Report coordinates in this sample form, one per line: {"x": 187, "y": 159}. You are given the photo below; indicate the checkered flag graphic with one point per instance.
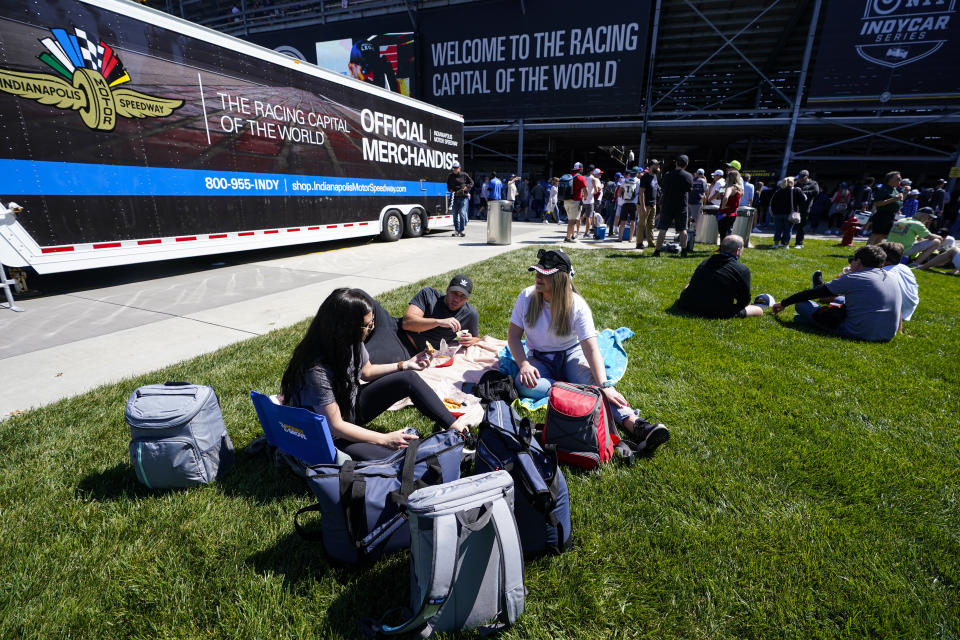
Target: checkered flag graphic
{"x": 92, "y": 52}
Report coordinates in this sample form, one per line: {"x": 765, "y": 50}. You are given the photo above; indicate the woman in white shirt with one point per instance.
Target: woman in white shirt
{"x": 562, "y": 345}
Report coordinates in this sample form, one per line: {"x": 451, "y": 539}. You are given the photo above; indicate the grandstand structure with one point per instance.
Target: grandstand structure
{"x": 724, "y": 79}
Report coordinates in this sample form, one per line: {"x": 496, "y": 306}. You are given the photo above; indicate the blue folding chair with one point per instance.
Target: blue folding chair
{"x": 298, "y": 432}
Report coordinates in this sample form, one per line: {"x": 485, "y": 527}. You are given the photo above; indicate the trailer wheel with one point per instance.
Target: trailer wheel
{"x": 415, "y": 224}
{"x": 392, "y": 226}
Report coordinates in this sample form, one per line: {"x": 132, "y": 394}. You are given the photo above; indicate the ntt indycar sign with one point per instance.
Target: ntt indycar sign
{"x": 894, "y": 33}
{"x": 887, "y": 51}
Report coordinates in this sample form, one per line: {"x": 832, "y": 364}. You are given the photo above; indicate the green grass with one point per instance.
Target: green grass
{"x": 811, "y": 488}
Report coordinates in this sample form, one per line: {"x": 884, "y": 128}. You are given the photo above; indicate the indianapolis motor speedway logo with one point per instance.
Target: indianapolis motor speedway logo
{"x": 894, "y": 33}
{"x": 87, "y": 72}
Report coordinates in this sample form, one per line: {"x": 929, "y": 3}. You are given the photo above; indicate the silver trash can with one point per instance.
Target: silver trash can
{"x": 707, "y": 231}
{"x": 743, "y": 224}
{"x": 499, "y": 222}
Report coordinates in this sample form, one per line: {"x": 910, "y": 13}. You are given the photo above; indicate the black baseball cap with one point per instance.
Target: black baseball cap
{"x": 461, "y": 283}
{"x": 683, "y": 160}
{"x": 550, "y": 261}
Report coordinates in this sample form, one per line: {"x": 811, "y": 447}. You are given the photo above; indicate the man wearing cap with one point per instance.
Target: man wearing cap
{"x": 459, "y": 184}
{"x": 589, "y": 204}
{"x": 715, "y": 192}
{"x": 810, "y": 189}
{"x": 914, "y": 234}
{"x": 677, "y": 184}
{"x": 647, "y": 205}
{"x": 433, "y": 316}
{"x": 629, "y": 194}
{"x": 572, "y": 204}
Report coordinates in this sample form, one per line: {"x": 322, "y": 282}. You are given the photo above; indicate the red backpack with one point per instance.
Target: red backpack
{"x": 580, "y": 425}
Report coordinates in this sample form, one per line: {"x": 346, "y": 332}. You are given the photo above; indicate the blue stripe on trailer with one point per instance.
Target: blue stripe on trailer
{"x": 41, "y": 178}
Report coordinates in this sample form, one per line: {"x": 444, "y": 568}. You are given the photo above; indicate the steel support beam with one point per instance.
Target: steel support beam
{"x": 854, "y": 158}
{"x": 649, "y": 93}
{"x": 520, "y": 147}
{"x": 801, "y": 85}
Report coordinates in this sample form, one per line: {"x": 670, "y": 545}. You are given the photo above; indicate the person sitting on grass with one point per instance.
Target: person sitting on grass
{"x": 867, "y": 300}
{"x": 562, "y": 344}
{"x": 915, "y": 236}
{"x": 326, "y": 369}
{"x": 720, "y": 286}
{"x": 434, "y": 316}
{"x": 947, "y": 258}
{"x": 909, "y": 289}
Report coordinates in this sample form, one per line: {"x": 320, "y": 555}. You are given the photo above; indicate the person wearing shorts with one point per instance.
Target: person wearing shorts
{"x": 888, "y": 202}
{"x": 676, "y": 186}
{"x": 628, "y": 210}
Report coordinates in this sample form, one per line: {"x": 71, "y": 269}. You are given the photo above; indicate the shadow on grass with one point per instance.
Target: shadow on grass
{"x": 373, "y": 592}
{"x": 805, "y": 327}
{"x": 296, "y": 559}
{"x": 116, "y": 483}
{"x": 251, "y": 476}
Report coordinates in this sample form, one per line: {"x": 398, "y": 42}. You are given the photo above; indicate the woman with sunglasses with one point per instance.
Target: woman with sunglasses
{"x": 327, "y": 367}
{"x": 562, "y": 345}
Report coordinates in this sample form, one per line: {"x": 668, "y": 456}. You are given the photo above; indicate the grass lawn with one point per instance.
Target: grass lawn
{"x": 810, "y": 490}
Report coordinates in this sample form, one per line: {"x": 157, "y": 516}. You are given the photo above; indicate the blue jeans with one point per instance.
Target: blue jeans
{"x": 781, "y": 229}
{"x": 460, "y": 213}
{"x": 563, "y": 366}
{"x": 806, "y": 309}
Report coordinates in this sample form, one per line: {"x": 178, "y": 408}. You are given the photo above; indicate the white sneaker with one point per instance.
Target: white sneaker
{"x": 799, "y": 246}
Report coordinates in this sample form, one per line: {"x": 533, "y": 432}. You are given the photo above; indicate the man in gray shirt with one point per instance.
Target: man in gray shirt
{"x": 870, "y": 299}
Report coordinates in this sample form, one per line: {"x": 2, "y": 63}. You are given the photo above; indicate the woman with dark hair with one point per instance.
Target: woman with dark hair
{"x": 563, "y": 347}
{"x": 331, "y": 361}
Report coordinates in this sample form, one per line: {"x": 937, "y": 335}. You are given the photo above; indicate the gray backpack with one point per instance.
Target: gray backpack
{"x": 466, "y": 564}
{"x": 177, "y": 435}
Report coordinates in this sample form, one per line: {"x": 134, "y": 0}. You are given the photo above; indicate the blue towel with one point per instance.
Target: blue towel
{"x": 611, "y": 348}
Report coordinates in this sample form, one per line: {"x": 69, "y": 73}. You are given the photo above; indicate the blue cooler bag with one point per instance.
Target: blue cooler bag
{"x": 177, "y": 435}
{"x": 542, "y": 502}
{"x": 363, "y": 504}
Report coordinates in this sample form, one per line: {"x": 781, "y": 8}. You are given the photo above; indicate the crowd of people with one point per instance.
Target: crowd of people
{"x": 643, "y": 204}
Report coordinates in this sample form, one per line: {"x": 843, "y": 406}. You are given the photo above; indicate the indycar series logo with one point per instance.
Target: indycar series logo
{"x": 894, "y": 33}
{"x": 87, "y": 78}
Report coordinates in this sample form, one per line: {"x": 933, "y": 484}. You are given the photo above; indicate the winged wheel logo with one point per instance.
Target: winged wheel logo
{"x": 87, "y": 79}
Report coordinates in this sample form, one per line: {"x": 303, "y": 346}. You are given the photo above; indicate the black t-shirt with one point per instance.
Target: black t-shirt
{"x": 719, "y": 288}
{"x": 650, "y": 185}
{"x": 676, "y": 185}
{"x": 431, "y": 301}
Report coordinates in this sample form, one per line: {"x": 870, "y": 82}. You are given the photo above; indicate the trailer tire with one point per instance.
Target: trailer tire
{"x": 416, "y": 223}
{"x": 392, "y": 226}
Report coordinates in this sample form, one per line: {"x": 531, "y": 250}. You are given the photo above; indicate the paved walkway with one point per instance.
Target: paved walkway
{"x": 96, "y": 327}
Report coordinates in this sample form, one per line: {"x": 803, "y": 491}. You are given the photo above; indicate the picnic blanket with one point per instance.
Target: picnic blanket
{"x": 468, "y": 365}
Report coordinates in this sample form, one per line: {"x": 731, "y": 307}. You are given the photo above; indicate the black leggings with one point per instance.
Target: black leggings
{"x": 376, "y": 397}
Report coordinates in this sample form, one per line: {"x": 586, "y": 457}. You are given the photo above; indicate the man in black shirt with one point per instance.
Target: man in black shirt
{"x": 676, "y": 185}
{"x": 720, "y": 287}
{"x": 433, "y": 316}
{"x": 647, "y": 205}
{"x": 459, "y": 184}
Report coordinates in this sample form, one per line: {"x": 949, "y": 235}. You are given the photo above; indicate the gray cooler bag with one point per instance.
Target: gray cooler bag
{"x": 466, "y": 564}
{"x": 177, "y": 435}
